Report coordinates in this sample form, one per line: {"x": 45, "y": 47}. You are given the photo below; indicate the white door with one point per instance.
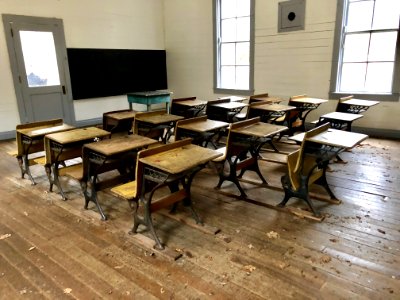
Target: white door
{"x": 39, "y": 64}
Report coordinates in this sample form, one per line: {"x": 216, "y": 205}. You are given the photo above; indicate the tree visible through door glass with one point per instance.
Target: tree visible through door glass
{"x": 40, "y": 58}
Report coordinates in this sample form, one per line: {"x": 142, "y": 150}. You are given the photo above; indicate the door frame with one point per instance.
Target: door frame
{"x": 7, "y": 20}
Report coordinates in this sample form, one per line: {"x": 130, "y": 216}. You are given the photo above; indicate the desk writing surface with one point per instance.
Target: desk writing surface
{"x": 191, "y": 103}
{"x": 123, "y": 115}
{"x": 334, "y": 138}
{"x": 260, "y": 129}
{"x": 76, "y": 135}
{"x": 274, "y": 107}
{"x": 180, "y": 159}
{"x": 342, "y": 116}
{"x": 158, "y": 119}
{"x": 309, "y": 100}
{"x": 120, "y": 144}
{"x": 230, "y": 105}
{"x": 204, "y": 125}
{"x": 360, "y": 102}
{"x": 43, "y": 130}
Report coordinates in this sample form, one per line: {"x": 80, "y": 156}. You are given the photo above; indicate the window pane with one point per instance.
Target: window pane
{"x": 386, "y": 14}
{"x": 360, "y": 16}
{"x": 242, "y": 78}
{"x": 353, "y": 77}
{"x": 228, "y": 54}
{"x": 243, "y": 29}
{"x": 243, "y": 53}
{"x": 228, "y": 30}
{"x": 379, "y": 77}
{"x": 228, "y": 77}
{"x": 40, "y": 58}
{"x": 356, "y": 47}
{"x": 243, "y": 8}
{"x": 228, "y": 8}
{"x": 383, "y": 46}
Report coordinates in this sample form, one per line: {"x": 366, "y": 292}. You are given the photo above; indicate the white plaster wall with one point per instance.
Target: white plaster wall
{"x": 286, "y": 64}
{"x": 118, "y": 24}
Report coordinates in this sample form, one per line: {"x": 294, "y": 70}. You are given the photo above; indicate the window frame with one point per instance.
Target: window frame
{"x": 216, "y": 51}
{"x": 341, "y": 14}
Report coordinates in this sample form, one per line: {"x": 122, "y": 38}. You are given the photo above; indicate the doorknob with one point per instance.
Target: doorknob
{"x": 64, "y": 90}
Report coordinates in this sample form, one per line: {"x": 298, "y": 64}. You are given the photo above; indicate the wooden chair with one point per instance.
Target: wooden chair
{"x": 305, "y": 167}
{"x": 179, "y": 110}
{"x": 236, "y": 154}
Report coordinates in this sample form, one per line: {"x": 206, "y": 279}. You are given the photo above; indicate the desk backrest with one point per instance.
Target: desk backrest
{"x": 301, "y": 165}
{"x": 305, "y": 142}
{"x": 253, "y": 98}
{"x": 232, "y": 147}
{"x": 186, "y": 121}
{"x": 52, "y": 122}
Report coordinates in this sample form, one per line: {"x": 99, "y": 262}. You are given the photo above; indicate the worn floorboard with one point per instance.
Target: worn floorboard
{"x": 54, "y": 249}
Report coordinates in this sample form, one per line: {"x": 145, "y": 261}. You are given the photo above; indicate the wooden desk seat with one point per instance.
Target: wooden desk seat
{"x": 236, "y": 154}
{"x": 155, "y": 170}
{"x": 73, "y": 171}
{"x": 304, "y": 169}
{"x": 130, "y": 191}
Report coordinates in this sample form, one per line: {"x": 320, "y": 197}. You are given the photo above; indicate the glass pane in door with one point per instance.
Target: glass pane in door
{"x": 40, "y": 58}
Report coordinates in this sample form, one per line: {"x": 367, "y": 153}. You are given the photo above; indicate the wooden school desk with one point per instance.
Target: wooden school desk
{"x": 30, "y": 140}
{"x": 245, "y": 140}
{"x": 355, "y": 106}
{"x": 121, "y": 120}
{"x": 339, "y": 120}
{"x": 224, "y": 110}
{"x": 200, "y": 129}
{"x": 269, "y": 112}
{"x": 107, "y": 155}
{"x": 62, "y": 146}
{"x": 304, "y": 105}
{"x": 171, "y": 165}
{"x": 309, "y": 164}
{"x": 155, "y": 124}
{"x": 195, "y": 106}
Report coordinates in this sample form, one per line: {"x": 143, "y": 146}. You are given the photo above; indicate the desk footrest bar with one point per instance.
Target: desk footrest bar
{"x": 169, "y": 200}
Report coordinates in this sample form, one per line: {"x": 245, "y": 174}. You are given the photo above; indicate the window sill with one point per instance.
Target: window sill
{"x": 377, "y": 97}
{"x": 234, "y": 92}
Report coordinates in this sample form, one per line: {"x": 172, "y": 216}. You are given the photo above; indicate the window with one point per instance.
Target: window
{"x": 234, "y": 46}
{"x": 366, "y": 46}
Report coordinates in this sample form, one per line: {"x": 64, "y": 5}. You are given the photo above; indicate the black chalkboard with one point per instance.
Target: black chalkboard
{"x": 110, "y": 72}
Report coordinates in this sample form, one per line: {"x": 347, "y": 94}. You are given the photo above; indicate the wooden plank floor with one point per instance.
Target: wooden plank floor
{"x": 54, "y": 249}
